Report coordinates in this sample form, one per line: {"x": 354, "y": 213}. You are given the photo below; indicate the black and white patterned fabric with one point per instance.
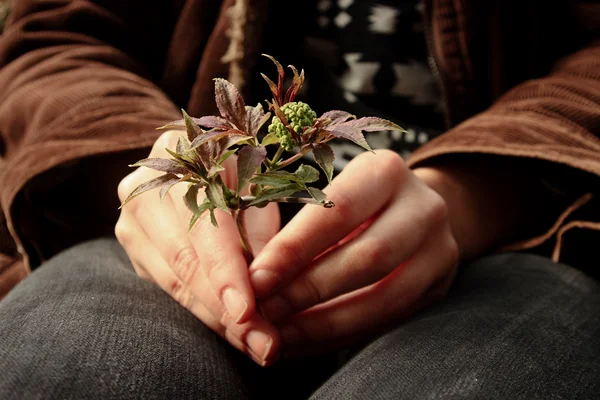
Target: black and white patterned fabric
{"x": 374, "y": 61}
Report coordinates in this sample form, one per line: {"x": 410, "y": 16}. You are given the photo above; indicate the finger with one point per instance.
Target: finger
{"x": 435, "y": 293}
{"x": 361, "y": 190}
{"x": 218, "y": 251}
{"x": 262, "y": 224}
{"x": 386, "y": 243}
{"x": 256, "y": 337}
{"x": 367, "y": 309}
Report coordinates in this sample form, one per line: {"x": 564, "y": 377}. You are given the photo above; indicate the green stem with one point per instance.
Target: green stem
{"x": 292, "y": 159}
{"x": 296, "y": 200}
{"x": 276, "y": 157}
{"x": 239, "y": 219}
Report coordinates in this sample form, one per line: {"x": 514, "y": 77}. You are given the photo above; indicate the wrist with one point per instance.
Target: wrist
{"x": 484, "y": 210}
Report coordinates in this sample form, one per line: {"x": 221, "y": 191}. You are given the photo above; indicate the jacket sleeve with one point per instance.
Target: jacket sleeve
{"x": 76, "y": 81}
{"x": 551, "y": 126}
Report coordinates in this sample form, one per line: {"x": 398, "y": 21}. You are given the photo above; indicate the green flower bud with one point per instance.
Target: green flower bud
{"x": 299, "y": 115}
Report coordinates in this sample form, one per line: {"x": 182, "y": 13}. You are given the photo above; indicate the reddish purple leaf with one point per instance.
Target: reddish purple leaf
{"x": 215, "y": 135}
{"x": 212, "y": 121}
{"x": 280, "y": 77}
{"x": 256, "y": 119}
{"x": 295, "y": 86}
{"x": 152, "y": 184}
{"x": 371, "y": 124}
{"x": 162, "y": 164}
{"x": 324, "y": 157}
{"x": 169, "y": 184}
{"x": 352, "y": 134}
{"x": 230, "y": 103}
{"x": 180, "y": 123}
{"x": 272, "y": 86}
{"x": 336, "y": 117}
{"x": 248, "y": 161}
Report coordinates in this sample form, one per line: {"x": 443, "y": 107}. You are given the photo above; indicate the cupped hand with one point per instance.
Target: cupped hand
{"x": 333, "y": 276}
{"x": 203, "y": 269}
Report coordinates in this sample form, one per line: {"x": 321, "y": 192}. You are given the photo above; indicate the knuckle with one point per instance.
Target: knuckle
{"x": 167, "y": 139}
{"x": 371, "y": 251}
{"x": 184, "y": 263}
{"x": 179, "y": 292}
{"x": 453, "y": 251}
{"x": 389, "y": 160}
{"x": 313, "y": 294}
{"x": 217, "y": 271}
{"x": 122, "y": 232}
{"x": 126, "y": 186}
{"x": 288, "y": 250}
{"x": 436, "y": 209}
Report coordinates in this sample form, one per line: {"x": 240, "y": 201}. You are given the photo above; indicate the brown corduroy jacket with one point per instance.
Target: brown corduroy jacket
{"x": 84, "y": 84}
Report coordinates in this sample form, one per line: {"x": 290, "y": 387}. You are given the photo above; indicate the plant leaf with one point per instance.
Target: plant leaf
{"x": 280, "y": 77}
{"x": 226, "y": 155}
{"x": 213, "y": 218}
{"x": 317, "y": 194}
{"x": 214, "y": 170}
{"x": 270, "y": 138}
{"x": 324, "y": 157}
{"x": 162, "y": 164}
{"x": 371, "y": 124}
{"x": 256, "y": 119}
{"x": 183, "y": 145}
{"x": 269, "y": 181}
{"x": 249, "y": 159}
{"x": 271, "y": 84}
{"x": 352, "y": 130}
{"x": 278, "y": 178}
{"x": 306, "y": 174}
{"x": 192, "y": 129}
{"x": 169, "y": 184}
{"x": 295, "y": 86}
{"x": 213, "y": 121}
{"x": 276, "y": 193}
{"x": 336, "y": 117}
{"x": 216, "y": 135}
{"x": 149, "y": 185}
{"x": 230, "y": 103}
{"x": 191, "y": 199}
{"x": 206, "y": 205}
{"x": 214, "y": 192}
{"x": 352, "y": 134}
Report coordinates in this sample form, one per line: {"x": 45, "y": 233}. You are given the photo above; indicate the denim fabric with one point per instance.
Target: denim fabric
{"x": 84, "y": 326}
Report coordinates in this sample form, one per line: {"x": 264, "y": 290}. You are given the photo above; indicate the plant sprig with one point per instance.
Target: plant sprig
{"x": 210, "y": 140}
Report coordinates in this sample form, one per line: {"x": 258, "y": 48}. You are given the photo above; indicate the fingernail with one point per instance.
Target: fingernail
{"x": 260, "y": 343}
{"x": 235, "y": 304}
{"x": 290, "y": 334}
{"x": 263, "y": 281}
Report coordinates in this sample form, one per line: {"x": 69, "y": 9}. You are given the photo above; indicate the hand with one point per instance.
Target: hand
{"x": 332, "y": 276}
{"x": 204, "y": 269}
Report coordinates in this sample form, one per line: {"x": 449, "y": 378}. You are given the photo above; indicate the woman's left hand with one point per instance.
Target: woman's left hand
{"x": 334, "y": 276}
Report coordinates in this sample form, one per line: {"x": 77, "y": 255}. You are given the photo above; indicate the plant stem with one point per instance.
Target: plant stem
{"x": 296, "y": 200}
{"x": 276, "y": 157}
{"x": 239, "y": 219}
{"x": 292, "y": 159}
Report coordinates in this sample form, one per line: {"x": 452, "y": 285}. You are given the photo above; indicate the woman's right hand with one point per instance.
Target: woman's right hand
{"x": 204, "y": 269}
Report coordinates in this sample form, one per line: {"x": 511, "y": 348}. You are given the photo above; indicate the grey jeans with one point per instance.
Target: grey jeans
{"x": 84, "y": 326}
